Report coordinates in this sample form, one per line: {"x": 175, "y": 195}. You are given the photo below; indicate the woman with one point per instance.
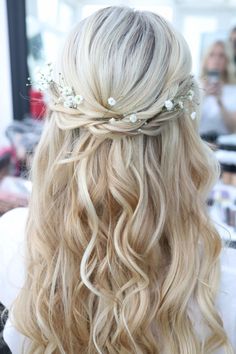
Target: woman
{"x": 219, "y": 95}
{"x": 121, "y": 255}
{"x": 231, "y": 47}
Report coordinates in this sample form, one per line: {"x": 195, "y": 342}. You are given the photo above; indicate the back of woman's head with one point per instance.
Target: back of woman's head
{"x": 119, "y": 242}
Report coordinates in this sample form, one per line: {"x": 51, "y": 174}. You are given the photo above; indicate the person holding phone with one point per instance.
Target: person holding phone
{"x": 232, "y": 54}
{"x": 219, "y": 96}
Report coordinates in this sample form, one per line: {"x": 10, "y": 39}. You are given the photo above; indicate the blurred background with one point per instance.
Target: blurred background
{"x": 31, "y": 34}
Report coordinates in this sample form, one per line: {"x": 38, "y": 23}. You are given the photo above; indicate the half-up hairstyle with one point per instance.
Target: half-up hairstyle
{"x": 121, "y": 254}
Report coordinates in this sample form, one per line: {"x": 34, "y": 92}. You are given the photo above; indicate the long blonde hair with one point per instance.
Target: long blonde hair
{"x": 119, "y": 244}
{"x": 225, "y": 77}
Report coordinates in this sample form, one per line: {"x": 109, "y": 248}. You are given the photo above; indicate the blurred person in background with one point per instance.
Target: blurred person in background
{"x": 232, "y": 54}
{"x": 219, "y": 95}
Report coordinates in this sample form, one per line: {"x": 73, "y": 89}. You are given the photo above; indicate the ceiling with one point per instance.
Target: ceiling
{"x": 208, "y": 3}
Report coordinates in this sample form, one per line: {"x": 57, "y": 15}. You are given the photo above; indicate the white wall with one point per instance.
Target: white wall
{"x": 6, "y": 110}
{"x": 201, "y": 25}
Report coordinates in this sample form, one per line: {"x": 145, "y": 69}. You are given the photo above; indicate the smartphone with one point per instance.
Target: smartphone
{"x": 213, "y": 76}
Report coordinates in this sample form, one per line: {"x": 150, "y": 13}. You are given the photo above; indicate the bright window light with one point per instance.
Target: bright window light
{"x": 47, "y": 11}
{"x": 162, "y": 10}
{"x": 194, "y": 28}
{"x": 87, "y": 10}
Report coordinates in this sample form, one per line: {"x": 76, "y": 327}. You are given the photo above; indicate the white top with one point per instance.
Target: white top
{"x": 211, "y": 118}
{"x": 12, "y": 272}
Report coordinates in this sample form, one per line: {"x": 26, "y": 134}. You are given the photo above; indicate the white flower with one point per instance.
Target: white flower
{"x": 69, "y": 102}
{"x": 133, "y": 118}
{"x": 42, "y": 82}
{"x": 111, "y": 101}
{"x": 43, "y": 85}
{"x": 45, "y": 71}
{"x": 169, "y": 105}
{"x": 181, "y": 105}
{"x": 190, "y": 94}
{"x": 78, "y": 99}
{"x": 47, "y": 67}
{"x": 43, "y": 77}
{"x": 193, "y": 115}
{"x": 66, "y": 91}
{"x": 38, "y": 75}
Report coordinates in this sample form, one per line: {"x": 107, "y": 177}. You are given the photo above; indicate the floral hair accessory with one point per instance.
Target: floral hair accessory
{"x": 169, "y": 105}
{"x": 111, "y": 101}
{"x": 43, "y": 77}
{"x": 193, "y": 115}
{"x": 67, "y": 96}
{"x": 133, "y": 118}
{"x": 190, "y": 95}
{"x": 178, "y": 103}
{"x": 70, "y": 99}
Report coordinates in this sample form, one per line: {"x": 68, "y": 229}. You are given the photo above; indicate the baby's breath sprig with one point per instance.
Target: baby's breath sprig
{"x": 43, "y": 78}
{"x": 70, "y": 99}
{"x": 132, "y": 118}
{"x": 178, "y": 103}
